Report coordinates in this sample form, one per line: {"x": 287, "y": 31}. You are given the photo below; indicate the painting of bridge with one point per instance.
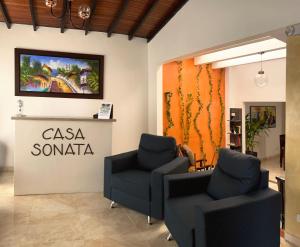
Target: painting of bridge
{"x": 59, "y": 75}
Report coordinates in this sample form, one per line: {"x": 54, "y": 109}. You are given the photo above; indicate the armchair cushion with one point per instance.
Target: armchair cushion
{"x": 155, "y": 151}
{"x": 235, "y": 174}
{"x": 133, "y": 182}
{"x": 180, "y": 215}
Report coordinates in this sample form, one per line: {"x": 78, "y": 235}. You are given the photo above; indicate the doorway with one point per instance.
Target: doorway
{"x": 267, "y": 144}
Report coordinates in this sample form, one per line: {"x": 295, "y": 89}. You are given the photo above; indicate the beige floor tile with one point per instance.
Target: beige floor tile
{"x": 273, "y": 165}
{"x": 11, "y": 218}
{"x": 123, "y": 241}
{"x": 90, "y": 201}
{"x": 74, "y": 220}
{"x": 108, "y": 222}
{"x": 76, "y": 243}
{"x": 53, "y": 232}
{"x": 54, "y": 204}
{"x": 93, "y": 243}
{"x": 11, "y": 234}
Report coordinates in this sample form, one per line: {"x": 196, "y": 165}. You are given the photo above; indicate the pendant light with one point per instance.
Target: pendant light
{"x": 261, "y": 79}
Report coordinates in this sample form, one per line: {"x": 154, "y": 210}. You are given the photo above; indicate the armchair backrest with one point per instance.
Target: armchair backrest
{"x": 155, "y": 151}
{"x": 235, "y": 174}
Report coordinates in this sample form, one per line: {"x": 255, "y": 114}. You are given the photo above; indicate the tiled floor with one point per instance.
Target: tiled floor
{"x": 273, "y": 165}
{"x": 72, "y": 220}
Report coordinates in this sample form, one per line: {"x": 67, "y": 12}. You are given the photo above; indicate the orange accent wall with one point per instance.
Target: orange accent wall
{"x": 171, "y": 84}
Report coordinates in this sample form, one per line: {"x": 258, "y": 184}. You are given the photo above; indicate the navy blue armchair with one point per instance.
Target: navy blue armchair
{"x": 136, "y": 179}
{"x": 231, "y": 206}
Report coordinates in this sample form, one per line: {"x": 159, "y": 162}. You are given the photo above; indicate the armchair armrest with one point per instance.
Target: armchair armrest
{"x": 186, "y": 184}
{"x": 120, "y": 162}
{"x": 115, "y": 164}
{"x": 247, "y": 220}
{"x": 178, "y": 165}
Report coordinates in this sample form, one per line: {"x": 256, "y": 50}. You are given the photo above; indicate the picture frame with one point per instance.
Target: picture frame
{"x": 40, "y": 73}
{"x": 267, "y": 114}
{"x": 105, "y": 111}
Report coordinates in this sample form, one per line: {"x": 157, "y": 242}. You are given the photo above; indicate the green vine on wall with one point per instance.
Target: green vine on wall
{"x": 185, "y": 107}
{"x": 186, "y": 130}
{"x": 199, "y": 109}
{"x": 168, "y": 97}
{"x": 222, "y": 111}
{"x": 208, "y": 109}
{"x": 180, "y": 93}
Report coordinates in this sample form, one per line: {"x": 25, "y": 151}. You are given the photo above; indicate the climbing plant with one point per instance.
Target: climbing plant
{"x": 181, "y": 96}
{"x": 222, "y": 111}
{"x": 185, "y": 107}
{"x": 210, "y": 91}
{"x": 186, "y": 130}
{"x": 208, "y": 108}
{"x": 199, "y": 110}
{"x": 168, "y": 97}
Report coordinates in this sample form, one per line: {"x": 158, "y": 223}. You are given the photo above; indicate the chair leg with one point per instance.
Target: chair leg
{"x": 169, "y": 238}
{"x": 112, "y": 205}
{"x": 149, "y": 220}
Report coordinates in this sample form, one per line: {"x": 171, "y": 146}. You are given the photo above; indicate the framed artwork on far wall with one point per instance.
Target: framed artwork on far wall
{"x": 266, "y": 114}
{"x": 58, "y": 74}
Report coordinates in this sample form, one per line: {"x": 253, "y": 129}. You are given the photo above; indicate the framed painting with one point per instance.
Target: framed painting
{"x": 265, "y": 114}
{"x": 58, "y": 74}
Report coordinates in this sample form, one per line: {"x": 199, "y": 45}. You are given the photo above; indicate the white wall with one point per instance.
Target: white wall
{"x": 125, "y": 82}
{"x": 241, "y": 88}
{"x": 202, "y": 24}
{"x": 268, "y": 145}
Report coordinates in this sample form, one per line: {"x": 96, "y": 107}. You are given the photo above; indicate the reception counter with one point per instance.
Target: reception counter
{"x": 60, "y": 154}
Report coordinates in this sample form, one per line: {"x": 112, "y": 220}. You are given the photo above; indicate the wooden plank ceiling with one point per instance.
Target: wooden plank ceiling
{"x": 135, "y": 18}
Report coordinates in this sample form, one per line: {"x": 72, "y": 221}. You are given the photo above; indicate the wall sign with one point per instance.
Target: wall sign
{"x": 63, "y": 142}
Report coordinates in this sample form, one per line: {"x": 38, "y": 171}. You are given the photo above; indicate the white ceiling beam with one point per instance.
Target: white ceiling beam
{"x": 250, "y": 59}
{"x": 240, "y": 51}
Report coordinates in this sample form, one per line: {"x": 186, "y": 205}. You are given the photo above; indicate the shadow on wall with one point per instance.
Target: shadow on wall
{"x": 3, "y": 154}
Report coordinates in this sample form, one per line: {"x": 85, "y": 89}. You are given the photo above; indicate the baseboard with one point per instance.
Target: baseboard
{"x": 292, "y": 239}
{"x": 6, "y": 168}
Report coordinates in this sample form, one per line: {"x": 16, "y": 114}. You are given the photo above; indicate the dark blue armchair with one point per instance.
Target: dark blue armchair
{"x": 136, "y": 179}
{"x": 231, "y": 206}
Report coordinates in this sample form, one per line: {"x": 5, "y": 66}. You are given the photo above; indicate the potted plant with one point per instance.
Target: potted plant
{"x": 254, "y": 127}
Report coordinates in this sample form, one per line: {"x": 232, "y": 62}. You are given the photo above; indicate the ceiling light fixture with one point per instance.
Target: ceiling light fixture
{"x": 261, "y": 79}
{"x": 84, "y": 11}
